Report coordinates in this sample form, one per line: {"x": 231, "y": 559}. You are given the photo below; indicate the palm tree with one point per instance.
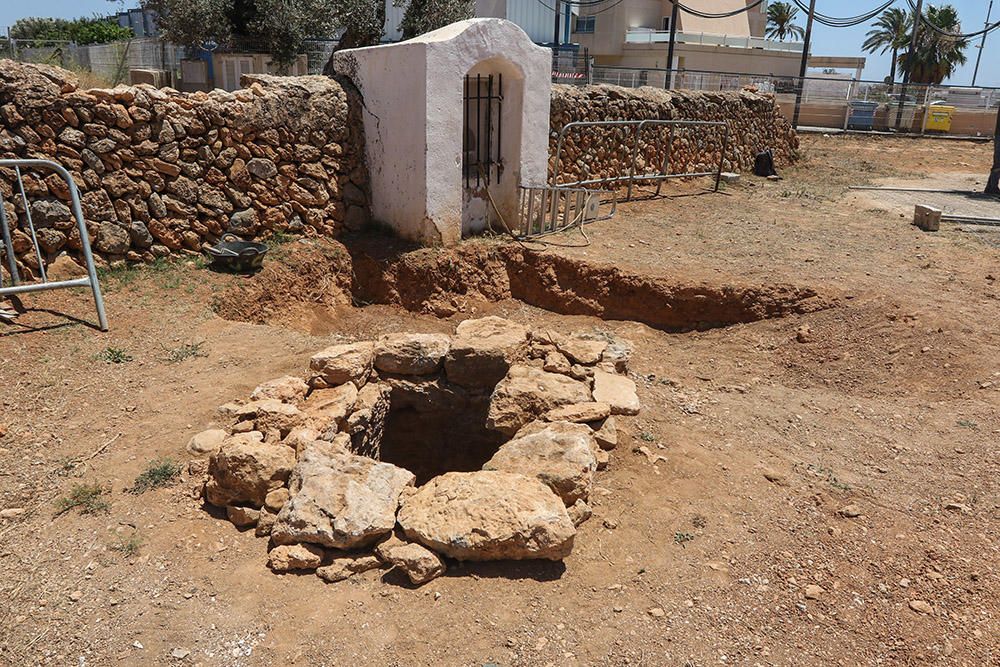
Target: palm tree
{"x": 936, "y": 56}
{"x": 890, "y": 32}
{"x": 780, "y": 22}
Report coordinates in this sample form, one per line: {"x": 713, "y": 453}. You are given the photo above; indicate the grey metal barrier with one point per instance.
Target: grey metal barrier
{"x": 546, "y": 210}
{"x": 17, "y": 285}
{"x": 663, "y": 173}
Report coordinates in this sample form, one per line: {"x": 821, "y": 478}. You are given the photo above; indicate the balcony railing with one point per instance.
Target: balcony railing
{"x": 644, "y": 36}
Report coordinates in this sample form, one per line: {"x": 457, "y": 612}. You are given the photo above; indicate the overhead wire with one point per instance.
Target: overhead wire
{"x": 721, "y": 15}
{"x": 845, "y": 21}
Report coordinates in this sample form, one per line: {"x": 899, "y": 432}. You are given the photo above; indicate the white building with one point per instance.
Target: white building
{"x": 535, "y": 18}
{"x": 456, "y": 122}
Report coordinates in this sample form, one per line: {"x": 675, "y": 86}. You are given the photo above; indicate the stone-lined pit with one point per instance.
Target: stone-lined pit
{"x": 418, "y": 447}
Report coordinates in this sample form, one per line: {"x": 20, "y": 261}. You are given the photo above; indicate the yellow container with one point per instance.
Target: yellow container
{"x": 939, "y": 118}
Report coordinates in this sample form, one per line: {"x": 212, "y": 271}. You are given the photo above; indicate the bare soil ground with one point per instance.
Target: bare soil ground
{"x": 818, "y": 485}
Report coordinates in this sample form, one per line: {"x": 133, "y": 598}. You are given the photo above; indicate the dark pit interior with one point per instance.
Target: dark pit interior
{"x": 433, "y": 428}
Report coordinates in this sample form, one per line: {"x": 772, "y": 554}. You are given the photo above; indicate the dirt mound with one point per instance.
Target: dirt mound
{"x": 310, "y": 272}
{"x": 442, "y": 281}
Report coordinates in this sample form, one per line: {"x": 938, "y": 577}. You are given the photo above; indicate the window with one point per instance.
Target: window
{"x": 666, "y": 24}
{"x": 585, "y": 24}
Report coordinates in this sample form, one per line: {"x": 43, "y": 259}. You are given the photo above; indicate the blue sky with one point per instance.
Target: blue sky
{"x": 826, "y": 41}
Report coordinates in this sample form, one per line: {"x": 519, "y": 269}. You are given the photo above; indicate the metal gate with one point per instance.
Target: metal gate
{"x": 660, "y": 175}
{"x": 41, "y": 283}
{"x": 481, "y": 131}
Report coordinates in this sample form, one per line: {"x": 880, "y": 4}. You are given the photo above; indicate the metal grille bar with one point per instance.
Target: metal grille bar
{"x": 17, "y": 286}
{"x": 480, "y": 162}
{"x": 632, "y": 177}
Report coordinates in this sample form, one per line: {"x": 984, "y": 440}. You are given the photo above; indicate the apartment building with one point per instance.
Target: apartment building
{"x": 635, "y": 33}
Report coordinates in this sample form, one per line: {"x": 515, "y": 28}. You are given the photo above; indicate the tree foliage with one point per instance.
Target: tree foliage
{"x": 936, "y": 56}
{"x": 83, "y": 31}
{"x": 426, "y": 15}
{"x": 284, "y": 25}
{"x": 891, "y": 32}
{"x": 193, "y": 23}
{"x": 781, "y": 22}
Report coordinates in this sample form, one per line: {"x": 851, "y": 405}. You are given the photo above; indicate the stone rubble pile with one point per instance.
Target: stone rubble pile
{"x": 755, "y": 123}
{"x": 300, "y": 461}
{"x": 160, "y": 171}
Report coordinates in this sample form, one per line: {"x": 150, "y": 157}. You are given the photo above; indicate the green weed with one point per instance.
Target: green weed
{"x": 88, "y": 498}
{"x": 159, "y": 472}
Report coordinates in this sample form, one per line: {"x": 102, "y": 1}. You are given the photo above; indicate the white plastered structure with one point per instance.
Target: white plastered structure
{"x": 414, "y": 124}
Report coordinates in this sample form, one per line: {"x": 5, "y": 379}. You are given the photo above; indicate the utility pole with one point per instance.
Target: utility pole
{"x": 804, "y": 64}
{"x": 668, "y": 77}
{"x": 918, "y": 11}
{"x": 993, "y": 182}
{"x": 982, "y": 44}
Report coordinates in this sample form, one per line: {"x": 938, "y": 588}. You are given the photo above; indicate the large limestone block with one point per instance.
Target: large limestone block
{"x": 411, "y": 354}
{"x": 488, "y": 515}
{"x": 273, "y": 415}
{"x": 579, "y": 413}
{"x": 343, "y": 363}
{"x": 326, "y": 409}
{"x": 526, "y": 393}
{"x": 418, "y": 562}
{"x": 561, "y": 455}
{"x": 289, "y": 389}
{"x": 340, "y": 500}
{"x": 245, "y": 469}
{"x": 617, "y": 391}
{"x": 288, "y": 558}
{"x": 482, "y": 349}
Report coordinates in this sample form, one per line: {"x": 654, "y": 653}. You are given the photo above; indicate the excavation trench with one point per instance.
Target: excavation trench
{"x": 375, "y": 270}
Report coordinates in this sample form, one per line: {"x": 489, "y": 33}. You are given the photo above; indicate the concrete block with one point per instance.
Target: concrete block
{"x": 730, "y": 178}
{"x": 927, "y": 218}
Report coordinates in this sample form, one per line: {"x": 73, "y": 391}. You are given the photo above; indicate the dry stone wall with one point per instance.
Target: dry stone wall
{"x": 755, "y": 123}
{"x": 162, "y": 171}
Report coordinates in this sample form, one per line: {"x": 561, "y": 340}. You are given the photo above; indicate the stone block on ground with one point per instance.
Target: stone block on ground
{"x": 560, "y": 454}
{"x": 526, "y": 393}
{"x": 206, "y": 442}
{"x": 481, "y": 351}
{"x": 418, "y": 562}
{"x": 326, "y": 409}
{"x": 340, "y": 500}
{"x": 411, "y": 354}
{"x": 488, "y": 515}
{"x": 345, "y": 567}
{"x": 288, "y": 389}
{"x": 339, "y": 364}
{"x": 616, "y": 390}
{"x": 579, "y": 412}
{"x": 292, "y": 557}
{"x": 245, "y": 469}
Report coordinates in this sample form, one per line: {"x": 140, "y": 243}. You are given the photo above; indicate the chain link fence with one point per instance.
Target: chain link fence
{"x": 829, "y": 101}
{"x": 110, "y": 64}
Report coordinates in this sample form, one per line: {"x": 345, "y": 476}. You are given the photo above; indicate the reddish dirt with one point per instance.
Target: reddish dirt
{"x": 889, "y": 406}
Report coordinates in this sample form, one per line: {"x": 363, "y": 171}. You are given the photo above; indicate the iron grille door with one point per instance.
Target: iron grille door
{"x": 481, "y": 129}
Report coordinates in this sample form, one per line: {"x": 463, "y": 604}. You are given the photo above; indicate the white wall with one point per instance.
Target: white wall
{"x": 414, "y": 124}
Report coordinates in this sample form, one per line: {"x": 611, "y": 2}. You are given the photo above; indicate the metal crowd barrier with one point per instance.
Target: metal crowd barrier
{"x": 663, "y": 173}
{"x": 545, "y": 210}
{"x": 17, "y": 285}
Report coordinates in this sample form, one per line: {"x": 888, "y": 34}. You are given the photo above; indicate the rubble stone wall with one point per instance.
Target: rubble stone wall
{"x": 161, "y": 171}
{"x": 755, "y": 123}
